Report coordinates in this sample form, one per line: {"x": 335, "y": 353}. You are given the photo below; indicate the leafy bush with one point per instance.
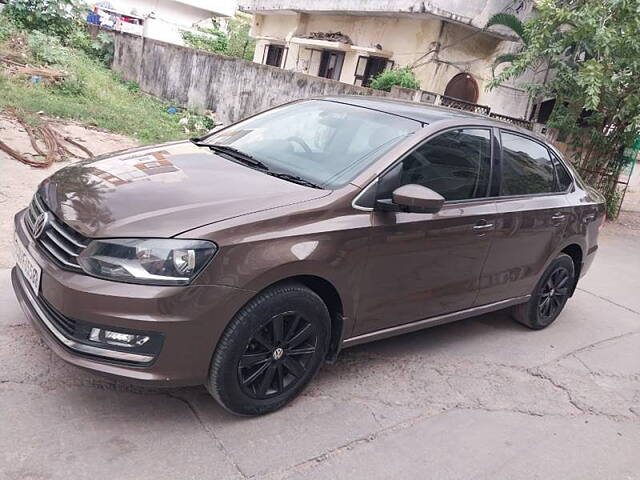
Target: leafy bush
{"x": 196, "y": 123}
{"x": 73, "y": 85}
{"x": 100, "y": 47}
{"x": 56, "y": 17}
{"x": 47, "y": 49}
{"x": 401, "y": 77}
{"x": 7, "y": 27}
{"x": 130, "y": 85}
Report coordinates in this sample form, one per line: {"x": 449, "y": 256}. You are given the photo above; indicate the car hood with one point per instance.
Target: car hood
{"x": 162, "y": 191}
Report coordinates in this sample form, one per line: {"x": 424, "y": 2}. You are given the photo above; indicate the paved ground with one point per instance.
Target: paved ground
{"x": 482, "y": 398}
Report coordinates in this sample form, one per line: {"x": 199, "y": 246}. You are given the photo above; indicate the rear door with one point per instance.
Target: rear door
{"x": 424, "y": 265}
{"x": 532, "y": 216}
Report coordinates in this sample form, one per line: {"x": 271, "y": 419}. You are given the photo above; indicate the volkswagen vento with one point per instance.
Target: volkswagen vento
{"x": 245, "y": 259}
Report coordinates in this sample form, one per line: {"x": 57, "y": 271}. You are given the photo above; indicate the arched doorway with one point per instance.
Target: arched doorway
{"x": 463, "y": 87}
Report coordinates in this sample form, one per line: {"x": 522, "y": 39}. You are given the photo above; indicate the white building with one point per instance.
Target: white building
{"x": 353, "y": 40}
{"x": 165, "y": 19}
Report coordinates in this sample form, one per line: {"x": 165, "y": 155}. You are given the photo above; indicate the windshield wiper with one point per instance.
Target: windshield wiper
{"x": 253, "y": 162}
{"x": 235, "y": 153}
{"x": 294, "y": 179}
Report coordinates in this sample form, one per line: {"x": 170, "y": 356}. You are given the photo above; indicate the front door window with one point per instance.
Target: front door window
{"x": 456, "y": 164}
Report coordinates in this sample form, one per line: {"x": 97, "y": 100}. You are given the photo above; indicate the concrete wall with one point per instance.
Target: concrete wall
{"x": 231, "y": 87}
{"x": 127, "y": 55}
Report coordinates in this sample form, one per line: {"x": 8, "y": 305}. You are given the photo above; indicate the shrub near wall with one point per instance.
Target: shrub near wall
{"x": 397, "y": 77}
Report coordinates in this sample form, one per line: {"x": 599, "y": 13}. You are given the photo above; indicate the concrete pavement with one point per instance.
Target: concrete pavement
{"x": 481, "y": 398}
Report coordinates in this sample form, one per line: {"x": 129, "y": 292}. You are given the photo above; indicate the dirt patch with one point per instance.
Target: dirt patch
{"x": 18, "y": 182}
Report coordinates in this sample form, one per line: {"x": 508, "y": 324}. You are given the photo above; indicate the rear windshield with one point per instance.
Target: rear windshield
{"x": 324, "y": 142}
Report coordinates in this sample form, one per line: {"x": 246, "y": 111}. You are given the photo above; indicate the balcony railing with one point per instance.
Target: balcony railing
{"x": 423, "y": 96}
{"x": 462, "y": 105}
{"x": 520, "y": 122}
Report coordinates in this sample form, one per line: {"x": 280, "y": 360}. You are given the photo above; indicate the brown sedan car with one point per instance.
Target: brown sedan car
{"x": 245, "y": 259}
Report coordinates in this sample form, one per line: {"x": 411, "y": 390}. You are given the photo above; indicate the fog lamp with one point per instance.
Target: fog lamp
{"x": 120, "y": 339}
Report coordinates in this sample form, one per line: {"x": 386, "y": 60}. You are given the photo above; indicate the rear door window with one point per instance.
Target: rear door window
{"x": 456, "y": 164}
{"x": 564, "y": 177}
{"x": 527, "y": 168}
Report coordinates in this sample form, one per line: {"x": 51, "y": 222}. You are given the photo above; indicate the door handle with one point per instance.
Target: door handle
{"x": 558, "y": 217}
{"x": 482, "y": 227}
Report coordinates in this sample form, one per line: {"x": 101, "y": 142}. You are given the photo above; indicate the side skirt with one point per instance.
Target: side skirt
{"x": 433, "y": 321}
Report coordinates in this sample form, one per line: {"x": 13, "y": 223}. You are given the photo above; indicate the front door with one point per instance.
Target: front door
{"x": 532, "y": 216}
{"x": 424, "y": 265}
{"x": 331, "y": 64}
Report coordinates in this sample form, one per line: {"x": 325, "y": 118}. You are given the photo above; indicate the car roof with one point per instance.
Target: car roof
{"x": 423, "y": 113}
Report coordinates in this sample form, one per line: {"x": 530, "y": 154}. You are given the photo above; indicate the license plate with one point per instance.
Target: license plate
{"x": 27, "y": 265}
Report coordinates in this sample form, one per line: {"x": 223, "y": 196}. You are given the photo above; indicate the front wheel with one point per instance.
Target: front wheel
{"x": 550, "y": 295}
{"x": 270, "y": 351}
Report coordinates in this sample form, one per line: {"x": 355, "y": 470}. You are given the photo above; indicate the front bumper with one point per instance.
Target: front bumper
{"x": 190, "y": 319}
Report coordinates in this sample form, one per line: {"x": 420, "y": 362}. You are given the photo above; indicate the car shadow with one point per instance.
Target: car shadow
{"x": 420, "y": 343}
{"x": 466, "y": 330}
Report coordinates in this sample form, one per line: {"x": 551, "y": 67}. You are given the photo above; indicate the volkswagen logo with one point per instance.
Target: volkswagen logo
{"x": 40, "y": 224}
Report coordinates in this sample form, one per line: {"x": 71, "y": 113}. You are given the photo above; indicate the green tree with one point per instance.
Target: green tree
{"x": 236, "y": 42}
{"x": 240, "y": 44}
{"x": 590, "y": 50}
{"x": 209, "y": 39}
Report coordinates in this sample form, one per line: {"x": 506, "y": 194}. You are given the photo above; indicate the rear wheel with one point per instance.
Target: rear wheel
{"x": 550, "y": 295}
{"x": 270, "y": 350}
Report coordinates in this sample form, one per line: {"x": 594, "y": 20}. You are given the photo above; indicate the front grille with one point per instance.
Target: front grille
{"x": 58, "y": 240}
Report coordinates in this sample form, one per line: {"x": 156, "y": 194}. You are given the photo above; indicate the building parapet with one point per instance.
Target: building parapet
{"x": 474, "y": 13}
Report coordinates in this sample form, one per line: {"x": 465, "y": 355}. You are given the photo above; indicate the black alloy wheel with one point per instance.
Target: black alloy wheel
{"x": 277, "y": 356}
{"x": 554, "y": 293}
{"x": 549, "y": 296}
{"x": 271, "y": 350}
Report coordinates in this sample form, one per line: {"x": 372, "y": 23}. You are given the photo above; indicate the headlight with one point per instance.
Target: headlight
{"x": 152, "y": 262}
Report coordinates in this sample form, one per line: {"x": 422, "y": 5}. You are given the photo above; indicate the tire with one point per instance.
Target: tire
{"x": 550, "y": 295}
{"x": 270, "y": 350}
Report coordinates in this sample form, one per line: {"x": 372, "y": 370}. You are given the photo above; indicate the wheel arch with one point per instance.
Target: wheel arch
{"x": 329, "y": 294}
{"x": 574, "y": 250}
{"x": 341, "y": 320}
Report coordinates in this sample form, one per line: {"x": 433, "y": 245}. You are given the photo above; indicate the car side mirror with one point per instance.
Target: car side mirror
{"x": 412, "y": 198}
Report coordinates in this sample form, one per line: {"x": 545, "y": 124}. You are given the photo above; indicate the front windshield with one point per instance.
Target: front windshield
{"x": 326, "y": 143}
